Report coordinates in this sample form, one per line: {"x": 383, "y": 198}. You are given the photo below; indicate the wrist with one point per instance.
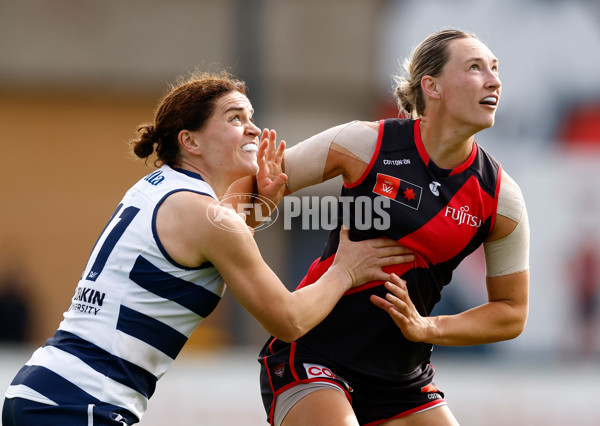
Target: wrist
{"x": 434, "y": 330}
{"x": 341, "y": 276}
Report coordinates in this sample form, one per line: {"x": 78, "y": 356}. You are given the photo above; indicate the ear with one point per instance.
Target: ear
{"x": 430, "y": 87}
{"x": 188, "y": 142}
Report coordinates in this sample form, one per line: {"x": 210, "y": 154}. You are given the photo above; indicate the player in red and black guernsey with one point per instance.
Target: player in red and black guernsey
{"x": 425, "y": 182}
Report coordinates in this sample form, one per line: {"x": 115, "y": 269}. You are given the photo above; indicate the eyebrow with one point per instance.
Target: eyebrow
{"x": 479, "y": 59}
{"x": 239, "y": 109}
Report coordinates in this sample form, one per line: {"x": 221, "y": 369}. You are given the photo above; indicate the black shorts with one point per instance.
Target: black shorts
{"x": 374, "y": 400}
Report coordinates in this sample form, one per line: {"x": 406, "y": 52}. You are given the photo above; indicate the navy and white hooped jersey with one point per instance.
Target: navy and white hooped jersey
{"x": 441, "y": 215}
{"x": 132, "y": 311}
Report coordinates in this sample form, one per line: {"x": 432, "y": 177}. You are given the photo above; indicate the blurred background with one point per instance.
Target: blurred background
{"x": 77, "y": 78}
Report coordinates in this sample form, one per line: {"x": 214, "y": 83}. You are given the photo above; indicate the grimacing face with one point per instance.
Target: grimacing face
{"x": 229, "y": 139}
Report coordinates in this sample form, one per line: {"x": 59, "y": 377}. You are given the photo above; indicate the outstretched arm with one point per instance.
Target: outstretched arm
{"x": 341, "y": 150}
{"x": 289, "y": 315}
{"x": 195, "y": 229}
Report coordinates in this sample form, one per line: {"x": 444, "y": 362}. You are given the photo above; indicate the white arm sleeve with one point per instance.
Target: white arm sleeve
{"x": 510, "y": 254}
{"x": 305, "y": 162}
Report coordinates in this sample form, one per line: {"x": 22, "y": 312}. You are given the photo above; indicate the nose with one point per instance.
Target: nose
{"x": 252, "y": 129}
{"x": 494, "y": 80}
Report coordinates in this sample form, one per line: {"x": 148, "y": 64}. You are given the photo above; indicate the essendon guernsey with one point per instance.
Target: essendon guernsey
{"x": 442, "y": 215}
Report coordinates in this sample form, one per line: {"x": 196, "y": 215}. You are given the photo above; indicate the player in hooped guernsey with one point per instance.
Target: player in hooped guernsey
{"x": 123, "y": 331}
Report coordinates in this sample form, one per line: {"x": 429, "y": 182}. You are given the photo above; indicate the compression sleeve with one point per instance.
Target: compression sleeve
{"x": 510, "y": 254}
{"x": 305, "y": 162}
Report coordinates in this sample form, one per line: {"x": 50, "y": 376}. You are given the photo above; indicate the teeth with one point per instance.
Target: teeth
{"x": 489, "y": 100}
{"x": 250, "y": 147}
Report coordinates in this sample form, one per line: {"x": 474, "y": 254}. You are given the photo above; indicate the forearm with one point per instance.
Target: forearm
{"x": 311, "y": 304}
{"x": 503, "y": 317}
{"x": 242, "y": 197}
{"x": 492, "y": 322}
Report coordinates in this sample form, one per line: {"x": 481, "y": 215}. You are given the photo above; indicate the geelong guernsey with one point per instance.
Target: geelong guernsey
{"x": 132, "y": 311}
{"x": 441, "y": 215}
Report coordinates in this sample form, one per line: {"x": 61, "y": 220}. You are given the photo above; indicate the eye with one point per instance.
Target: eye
{"x": 235, "y": 118}
{"x": 475, "y": 67}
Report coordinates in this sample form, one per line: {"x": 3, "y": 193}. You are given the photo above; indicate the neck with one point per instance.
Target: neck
{"x": 218, "y": 183}
{"x": 447, "y": 146}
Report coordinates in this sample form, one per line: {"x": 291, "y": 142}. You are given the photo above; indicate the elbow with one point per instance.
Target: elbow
{"x": 289, "y": 334}
{"x": 516, "y": 326}
{"x": 287, "y": 329}
{"x": 515, "y": 331}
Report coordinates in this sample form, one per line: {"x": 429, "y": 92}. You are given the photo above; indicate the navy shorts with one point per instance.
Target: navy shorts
{"x": 23, "y": 412}
{"x": 373, "y": 399}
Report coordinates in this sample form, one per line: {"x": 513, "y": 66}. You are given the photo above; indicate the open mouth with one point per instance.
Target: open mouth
{"x": 250, "y": 147}
{"x": 489, "y": 100}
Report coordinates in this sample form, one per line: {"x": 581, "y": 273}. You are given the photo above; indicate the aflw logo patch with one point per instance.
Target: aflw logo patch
{"x": 401, "y": 191}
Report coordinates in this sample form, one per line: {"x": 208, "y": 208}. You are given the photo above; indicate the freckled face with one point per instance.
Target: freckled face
{"x": 469, "y": 84}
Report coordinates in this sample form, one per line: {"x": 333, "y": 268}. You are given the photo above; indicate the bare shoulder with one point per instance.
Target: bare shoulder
{"x": 508, "y": 179}
{"x": 191, "y": 225}
{"x": 185, "y": 209}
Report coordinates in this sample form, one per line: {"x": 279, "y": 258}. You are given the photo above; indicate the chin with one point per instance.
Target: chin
{"x": 251, "y": 171}
{"x": 486, "y": 123}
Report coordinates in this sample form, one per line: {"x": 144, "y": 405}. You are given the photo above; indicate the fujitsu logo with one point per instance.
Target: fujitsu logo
{"x": 462, "y": 216}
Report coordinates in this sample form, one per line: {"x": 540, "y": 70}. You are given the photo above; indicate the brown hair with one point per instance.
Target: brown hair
{"x": 187, "y": 106}
{"x": 428, "y": 58}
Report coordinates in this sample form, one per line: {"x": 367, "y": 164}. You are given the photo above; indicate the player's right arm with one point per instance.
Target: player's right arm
{"x": 344, "y": 150}
{"x": 191, "y": 239}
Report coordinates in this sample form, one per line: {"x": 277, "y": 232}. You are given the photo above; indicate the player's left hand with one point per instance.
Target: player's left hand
{"x": 270, "y": 179}
{"x": 403, "y": 312}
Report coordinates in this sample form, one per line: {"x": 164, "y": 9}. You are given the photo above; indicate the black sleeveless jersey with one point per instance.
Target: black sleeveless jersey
{"x": 441, "y": 215}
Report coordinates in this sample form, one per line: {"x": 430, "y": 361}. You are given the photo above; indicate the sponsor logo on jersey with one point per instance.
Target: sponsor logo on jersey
{"x": 399, "y": 190}
{"x": 87, "y": 301}
{"x": 314, "y": 371}
{"x": 432, "y": 391}
{"x": 433, "y": 187}
{"x": 155, "y": 178}
{"x": 462, "y": 216}
{"x": 401, "y": 162}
